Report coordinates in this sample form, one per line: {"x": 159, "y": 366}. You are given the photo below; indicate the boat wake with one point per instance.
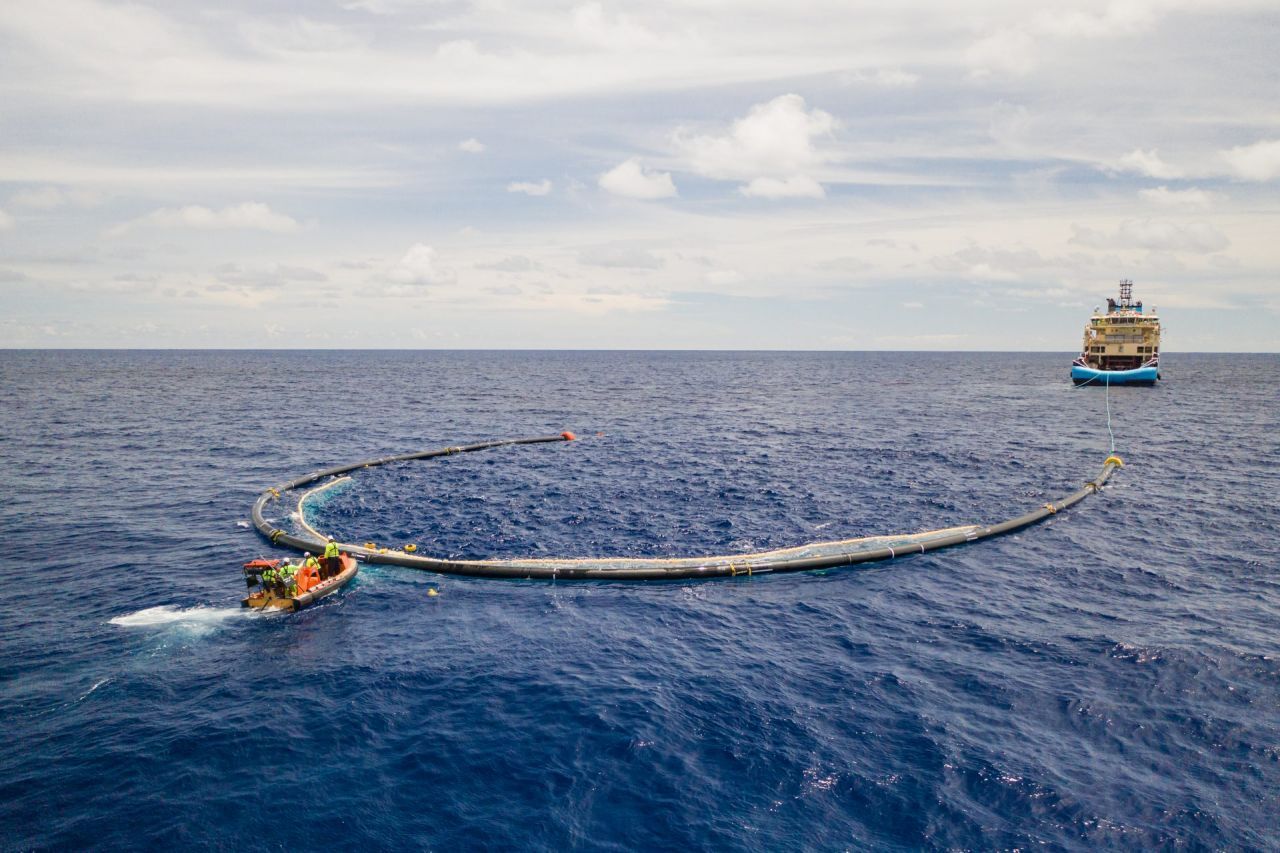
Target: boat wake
{"x": 186, "y": 617}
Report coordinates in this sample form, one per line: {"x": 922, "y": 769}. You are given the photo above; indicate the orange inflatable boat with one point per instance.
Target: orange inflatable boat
{"x": 307, "y": 587}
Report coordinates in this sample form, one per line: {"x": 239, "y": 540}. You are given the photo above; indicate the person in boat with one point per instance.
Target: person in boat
{"x": 309, "y": 574}
{"x": 288, "y": 576}
{"x": 273, "y": 582}
{"x": 332, "y": 564}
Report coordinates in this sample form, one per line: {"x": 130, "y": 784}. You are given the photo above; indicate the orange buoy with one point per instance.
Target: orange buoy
{"x": 568, "y": 436}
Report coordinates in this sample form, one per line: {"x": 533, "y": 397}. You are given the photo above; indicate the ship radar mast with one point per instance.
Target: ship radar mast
{"x": 1126, "y": 293}
{"x": 1126, "y": 302}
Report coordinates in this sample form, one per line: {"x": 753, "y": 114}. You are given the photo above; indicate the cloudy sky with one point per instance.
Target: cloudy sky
{"x": 739, "y": 174}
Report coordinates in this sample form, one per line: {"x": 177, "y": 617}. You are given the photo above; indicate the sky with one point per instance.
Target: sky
{"x": 704, "y": 174}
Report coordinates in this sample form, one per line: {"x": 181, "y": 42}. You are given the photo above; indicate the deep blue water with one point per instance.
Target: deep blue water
{"x": 1110, "y": 678}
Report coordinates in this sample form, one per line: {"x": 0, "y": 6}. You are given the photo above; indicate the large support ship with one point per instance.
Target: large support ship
{"x": 1122, "y": 346}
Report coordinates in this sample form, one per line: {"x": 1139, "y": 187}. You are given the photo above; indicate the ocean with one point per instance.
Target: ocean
{"x": 1107, "y": 679}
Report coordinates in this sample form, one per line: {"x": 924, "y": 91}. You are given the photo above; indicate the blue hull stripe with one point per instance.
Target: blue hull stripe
{"x": 1137, "y": 376}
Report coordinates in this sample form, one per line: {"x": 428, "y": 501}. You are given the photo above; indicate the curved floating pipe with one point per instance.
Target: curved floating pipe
{"x": 803, "y": 558}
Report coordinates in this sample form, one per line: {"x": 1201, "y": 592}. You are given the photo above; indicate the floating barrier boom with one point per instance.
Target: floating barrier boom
{"x": 802, "y": 558}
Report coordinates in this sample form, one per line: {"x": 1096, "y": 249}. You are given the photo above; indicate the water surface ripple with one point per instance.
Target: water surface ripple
{"x": 1107, "y": 679}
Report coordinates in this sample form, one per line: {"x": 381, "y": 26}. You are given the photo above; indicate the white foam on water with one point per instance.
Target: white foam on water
{"x": 186, "y": 617}
{"x": 85, "y": 694}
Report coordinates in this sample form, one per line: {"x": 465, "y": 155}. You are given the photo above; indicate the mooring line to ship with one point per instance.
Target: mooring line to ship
{"x": 1107, "y": 397}
{"x": 817, "y": 555}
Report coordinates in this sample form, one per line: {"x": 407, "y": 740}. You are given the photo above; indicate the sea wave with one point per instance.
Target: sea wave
{"x": 1106, "y": 679}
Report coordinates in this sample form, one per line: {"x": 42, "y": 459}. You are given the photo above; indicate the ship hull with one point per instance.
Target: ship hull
{"x": 1138, "y": 376}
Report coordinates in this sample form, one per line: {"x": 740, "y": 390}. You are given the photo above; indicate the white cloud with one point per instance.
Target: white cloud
{"x": 1010, "y": 124}
{"x": 1148, "y": 163}
{"x": 629, "y": 179}
{"x": 510, "y": 263}
{"x": 569, "y": 83}
{"x": 895, "y": 78}
{"x": 977, "y": 264}
{"x": 1257, "y": 162}
{"x": 1017, "y": 48}
{"x": 373, "y": 7}
{"x": 418, "y": 268}
{"x": 6, "y": 221}
{"x": 541, "y": 187}
{"x": 1192, "y": 199}
{"x": 531, "y": 50}
{"x": 1011, "y": 51}
{"x": 130, "y": 176}
{"x": 776, "y": 139}
{"x": 121, "y": 284}
{"x": 1119, "y": 19}
{"x": 300, "y": 35}
{"x": 620, "y": 33}
{"x": 721, "y": 278}
{"x": 946, "y": 340}
{"x": 890, "y": 78}
{"x": 270, "y": 276}
{"x": 1197, "y": 237}
{"x": 600, "y": 303}
{"x": 250, "y": 215}
{"x": 846, "y": 264}
{"x": 797, "y": 186}
{"x": 620, "y": 257}
{"x": 50, "y": 198}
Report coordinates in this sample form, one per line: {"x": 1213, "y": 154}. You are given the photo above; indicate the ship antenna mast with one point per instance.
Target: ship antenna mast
{"x": 1126, "y": 293}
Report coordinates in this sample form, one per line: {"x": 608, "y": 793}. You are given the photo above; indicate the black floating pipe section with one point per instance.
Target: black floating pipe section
{"x": 586, "y": 569}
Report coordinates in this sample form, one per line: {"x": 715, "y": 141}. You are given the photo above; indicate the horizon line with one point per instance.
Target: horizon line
{"x": 589, "y": 349}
